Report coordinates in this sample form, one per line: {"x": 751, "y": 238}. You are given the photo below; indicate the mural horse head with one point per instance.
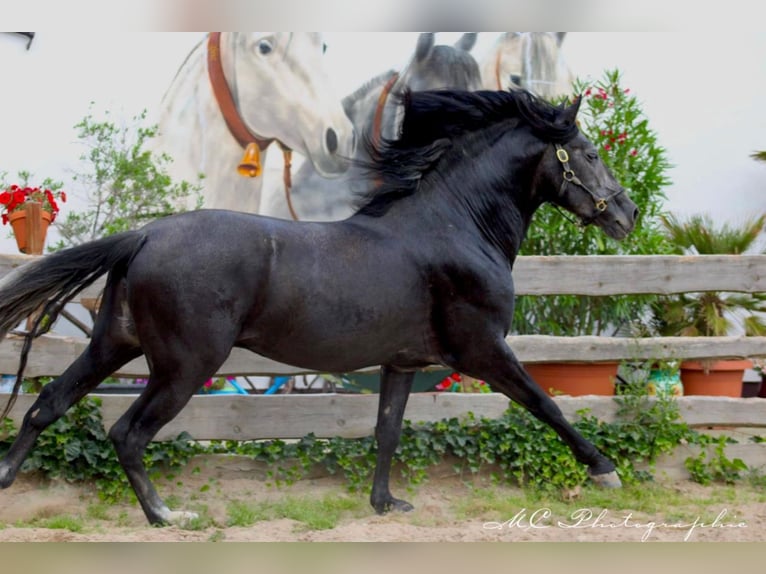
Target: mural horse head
{"x": 419, "y": 275}
{"x": 375, "y": 115}
{"x": 529, "y": 60}
{"x": 236, "y": 89}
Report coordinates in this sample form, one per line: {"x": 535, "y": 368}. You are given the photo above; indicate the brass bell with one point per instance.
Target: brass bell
{"x": 250, "y": 166}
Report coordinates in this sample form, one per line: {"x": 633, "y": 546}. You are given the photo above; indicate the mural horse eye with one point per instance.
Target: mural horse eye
{"x": 529, "y": 60}
{"x": 373, "y": 112}
{"x": 235, "y": 89}
{"x": 419, "y": 275}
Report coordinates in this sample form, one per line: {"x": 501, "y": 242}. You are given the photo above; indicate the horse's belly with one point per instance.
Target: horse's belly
{"x": 342, "y": 348}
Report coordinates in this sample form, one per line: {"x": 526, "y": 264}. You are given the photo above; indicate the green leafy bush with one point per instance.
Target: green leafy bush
{"x": 127, "y": 184}
{"x": 76, "y": 448}
{"x": 515, "y": 448}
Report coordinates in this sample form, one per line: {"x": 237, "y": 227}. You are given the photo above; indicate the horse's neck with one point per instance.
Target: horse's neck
{"x": 498, "y": 207}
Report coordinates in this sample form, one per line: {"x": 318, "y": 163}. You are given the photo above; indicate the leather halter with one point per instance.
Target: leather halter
{"x": 378, "y": 119}
{"x": 498, "y": 64}
{"x": 600, "y": 203}
{"x": 233, "y": 119}
{"x": 225, "y": 100}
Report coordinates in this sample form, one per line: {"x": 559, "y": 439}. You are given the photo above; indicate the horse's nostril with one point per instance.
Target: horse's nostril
{"x": 331, "y": 138}
{"x": 635, "y": 214}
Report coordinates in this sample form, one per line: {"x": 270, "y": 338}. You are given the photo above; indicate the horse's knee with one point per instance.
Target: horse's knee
{"x": 47, "y": 409}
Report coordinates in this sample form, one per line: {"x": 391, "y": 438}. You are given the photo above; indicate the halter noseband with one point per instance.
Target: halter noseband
{"x": 600, "y": 203}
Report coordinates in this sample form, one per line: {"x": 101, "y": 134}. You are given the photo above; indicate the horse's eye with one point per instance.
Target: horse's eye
{"x": 265, "y": 47}
{"x": 591, "y": 156}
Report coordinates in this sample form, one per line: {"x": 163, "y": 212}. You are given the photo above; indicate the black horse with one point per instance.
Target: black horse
{"x": 419, "y": 275}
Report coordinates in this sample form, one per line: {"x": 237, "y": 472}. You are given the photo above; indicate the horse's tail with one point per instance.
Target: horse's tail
{"x": 53, "y": 280}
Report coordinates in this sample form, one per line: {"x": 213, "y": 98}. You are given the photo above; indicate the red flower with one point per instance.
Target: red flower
{"x": 14, "y": 198}
{"x": 607, "y": 147}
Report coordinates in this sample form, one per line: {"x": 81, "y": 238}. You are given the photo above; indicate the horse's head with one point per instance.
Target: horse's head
{"x": 435, "y": 67}
{"x": 528, "y": 60}
{"x": 283, "y": 91}
{"x": 580, "y": 182}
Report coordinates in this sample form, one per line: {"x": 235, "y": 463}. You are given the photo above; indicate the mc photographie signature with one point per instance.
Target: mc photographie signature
{"x": 585, "y": 518}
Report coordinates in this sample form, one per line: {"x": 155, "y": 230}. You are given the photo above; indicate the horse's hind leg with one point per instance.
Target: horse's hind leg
{"x": 395, "y": 388}
{"x": 165, "y": 396}
{"x": 98, "y": 361}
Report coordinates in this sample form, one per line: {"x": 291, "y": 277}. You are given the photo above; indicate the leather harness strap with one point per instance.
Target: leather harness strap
{"x": 498, "y": 63}
{"x": 378, "y": 119}
{"x": 231, "y": 115}
{"x": 225, "y": 100}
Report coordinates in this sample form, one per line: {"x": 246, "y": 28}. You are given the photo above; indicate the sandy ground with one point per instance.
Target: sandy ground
{"x": 436, "y": 518}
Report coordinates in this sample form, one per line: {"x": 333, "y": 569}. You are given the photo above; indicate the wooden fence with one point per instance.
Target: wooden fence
{"x": 292, "y": 416}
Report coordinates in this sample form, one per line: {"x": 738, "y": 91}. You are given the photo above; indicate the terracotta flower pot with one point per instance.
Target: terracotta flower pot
{"x": 19, "y": 223}
{"x": 575, "y": 379}
{"x": 716, "y": 378}
{"x": 762, "y": 390}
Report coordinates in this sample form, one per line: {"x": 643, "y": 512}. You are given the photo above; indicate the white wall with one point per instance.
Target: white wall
{"x": 703, "y": 94}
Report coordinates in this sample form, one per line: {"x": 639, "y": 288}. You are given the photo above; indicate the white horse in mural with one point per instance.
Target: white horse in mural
{"x": 263, "y": 87}
{"x": 529, "y": 60}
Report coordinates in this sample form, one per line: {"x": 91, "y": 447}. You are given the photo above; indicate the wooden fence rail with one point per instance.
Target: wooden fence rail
{"x": 252, "y": 417}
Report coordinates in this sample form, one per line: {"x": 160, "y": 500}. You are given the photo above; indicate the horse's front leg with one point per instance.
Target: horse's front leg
{"x": 395, "y": 388}
{"x": 504, "y": 373}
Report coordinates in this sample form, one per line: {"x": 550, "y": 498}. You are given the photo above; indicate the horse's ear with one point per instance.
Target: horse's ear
{"x": 560, "y": 38}
{"x": 569, "y": 113}
{"x": 425, "y": 45}
{"x": 467, "y": 41}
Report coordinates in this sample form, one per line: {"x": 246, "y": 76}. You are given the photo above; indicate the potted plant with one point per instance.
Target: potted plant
{"x": 15, "y": 202}
{"x": 710, "y": 314}
{"x": 612, "y": 118}
{"x": 759, "y": 366}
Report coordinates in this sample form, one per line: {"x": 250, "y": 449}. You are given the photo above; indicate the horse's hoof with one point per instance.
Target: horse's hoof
{"x": 401, "y": 506}
{"x": 178, "y": 517}
{"x": 6, "y": 476}
{"x": 607, "y": 479}
{"x": 395, "y": 505}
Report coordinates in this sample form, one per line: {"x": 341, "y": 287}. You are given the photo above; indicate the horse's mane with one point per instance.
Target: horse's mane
{"x": 433, "y": 119}
{"x": 182, "y": 66}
